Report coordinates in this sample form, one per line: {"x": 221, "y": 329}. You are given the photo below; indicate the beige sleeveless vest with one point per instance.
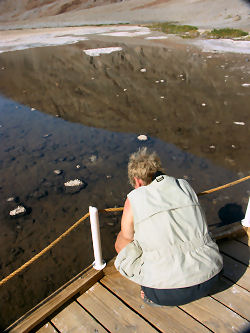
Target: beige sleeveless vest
{"x": 171, "y": 247}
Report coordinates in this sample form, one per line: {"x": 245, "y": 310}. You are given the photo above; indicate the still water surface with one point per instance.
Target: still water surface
{"x": 63, "y": 110}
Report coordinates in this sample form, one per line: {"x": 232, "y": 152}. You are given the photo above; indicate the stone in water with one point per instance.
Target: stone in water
{"x": 143, "y": 70}
{"x": 142, "y": 137}
{"x": 20, "y": 210}
{"x": 57, "y": 172}
{"x": 75, "y": 182}
{"x": 239, "y": 123}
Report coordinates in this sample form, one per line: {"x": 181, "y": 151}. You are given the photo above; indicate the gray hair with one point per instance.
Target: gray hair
{"x": 143, "y": 165}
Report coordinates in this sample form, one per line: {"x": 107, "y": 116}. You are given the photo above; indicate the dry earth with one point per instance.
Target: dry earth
{"x": 48, "y": 13}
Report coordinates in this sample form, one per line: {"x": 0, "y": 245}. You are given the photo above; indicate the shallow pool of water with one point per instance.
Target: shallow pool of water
{"x": 61, "y": 109}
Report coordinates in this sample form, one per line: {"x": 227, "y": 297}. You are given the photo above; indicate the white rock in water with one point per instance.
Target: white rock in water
{"x": 78, "y": 166}
{"x": 143, "y": 70}
{"x": 203, "y": 104}
{"x": 162, "y": 97}
{"x": 142, "y": 137}
{"x": 75, "y": 182}
{"x": 10, "y": 199}
{"x": 32, "y": 109}
{"x": 162, "y": 81}
{"x": 246, "y": 85}
{"x": 57, "y": 172}
{"x": 239, "y": 123}
{"x": 17, "y": 211}
{"x": 93, "y": 158}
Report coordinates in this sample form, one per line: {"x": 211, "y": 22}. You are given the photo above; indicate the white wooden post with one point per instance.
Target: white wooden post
{"x": 246, "y": 221}
{"x": 98, "y": 264}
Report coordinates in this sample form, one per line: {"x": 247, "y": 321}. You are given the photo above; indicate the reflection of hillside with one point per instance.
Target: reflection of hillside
{"x": 92, "y": 90}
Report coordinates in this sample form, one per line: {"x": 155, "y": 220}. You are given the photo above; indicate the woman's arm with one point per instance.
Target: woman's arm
{"x": 126, "y": 235}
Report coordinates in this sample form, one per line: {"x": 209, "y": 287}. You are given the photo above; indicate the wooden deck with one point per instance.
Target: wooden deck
{"x": 112, "y": 303}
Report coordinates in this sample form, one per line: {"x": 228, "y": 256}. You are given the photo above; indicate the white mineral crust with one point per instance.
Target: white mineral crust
{"x": 104, "y": 50}
{"x": 75, "y": 182}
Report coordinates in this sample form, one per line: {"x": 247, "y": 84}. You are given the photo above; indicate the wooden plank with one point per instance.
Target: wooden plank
{"x": 75, "y": 319}
{"x": 236, "y": 272}
{"x": 244, "y": 239}
{"x": 215, "y": 315}
{"x": 80, "y": 283}
{"x": 232, "y": 230}
{"x": 111, "y": 312}
{"x": 234, "y": 297}
{"x": 47, "y": 328}
{"x": 236, "y": 250}
{"x": 166, "y": 319}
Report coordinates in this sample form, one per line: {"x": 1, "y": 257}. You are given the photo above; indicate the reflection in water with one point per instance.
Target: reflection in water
{"x": 181, "y": 96}
{"x": 192, "y": 128}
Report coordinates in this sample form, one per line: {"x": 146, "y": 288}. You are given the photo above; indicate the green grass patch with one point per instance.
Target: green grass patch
{"x": 171, "y": 28}
{"x": 227, "y": 33}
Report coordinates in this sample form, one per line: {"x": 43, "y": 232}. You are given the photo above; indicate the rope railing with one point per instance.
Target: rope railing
{"x": 76, "y": 224}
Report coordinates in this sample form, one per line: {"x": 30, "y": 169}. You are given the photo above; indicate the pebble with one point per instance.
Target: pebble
{"x": 246, "y": 85}
{"x": 212, "y": 147}
{"x": 57, "y": 172}
{"x": 142, "y": 137}
{"x": 20, "y": 210}
{"x": 162, "y": 81}
{"x": 125, "y": 89}
{"x": 32, "y": 109}
{"x": 108, "y": 176}
{"x": 143, "y": 70}
{"x": 78, "y": 166}
{"x": 203, "y": 104}
{"x": 10, "y": 199}
{"x": 239, "y": 123}
{"x": 47, "y": 135}
{"x": 157, "y": 81}
{"x": 93, "y": 158}
{"x": 162, "y": 97}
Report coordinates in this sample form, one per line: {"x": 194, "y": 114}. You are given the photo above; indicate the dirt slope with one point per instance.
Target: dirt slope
{"x": 49, "y": 13}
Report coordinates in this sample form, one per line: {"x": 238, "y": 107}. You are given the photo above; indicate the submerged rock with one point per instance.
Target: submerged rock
{"x": 19, "y": 211}
{"x": 57, "y": 172}
{"x": 142, "y": 137}
{"x": 74, "y": 186}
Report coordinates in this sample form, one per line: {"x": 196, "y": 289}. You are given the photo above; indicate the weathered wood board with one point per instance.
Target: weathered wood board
{"x": 166, "y": 319}
{"x": 111, "y": 312}
{"x": 75, "y": 319}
